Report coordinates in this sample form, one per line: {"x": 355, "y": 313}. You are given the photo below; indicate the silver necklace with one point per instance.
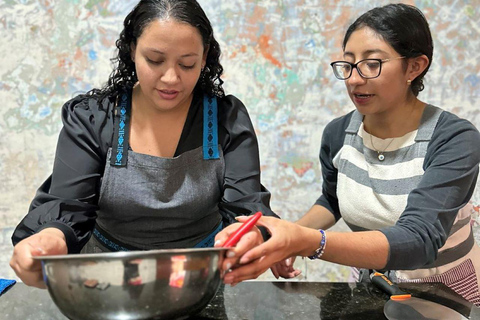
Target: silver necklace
{"x": 380, "y": 155}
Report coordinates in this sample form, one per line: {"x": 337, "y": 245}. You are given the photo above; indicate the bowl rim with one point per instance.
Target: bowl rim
{"x": 126, "y": 254}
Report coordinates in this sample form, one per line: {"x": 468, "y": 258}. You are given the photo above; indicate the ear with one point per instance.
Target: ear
{"x": 132, "y": 51}
{"x": 416, "y": 66}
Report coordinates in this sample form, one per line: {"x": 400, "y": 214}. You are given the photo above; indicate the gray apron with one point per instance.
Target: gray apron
{"x": 149, "y": 202}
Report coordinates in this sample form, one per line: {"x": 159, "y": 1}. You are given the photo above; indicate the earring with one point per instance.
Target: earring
{"x": 409, "y": 82}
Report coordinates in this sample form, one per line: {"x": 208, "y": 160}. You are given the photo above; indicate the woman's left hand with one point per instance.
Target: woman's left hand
{"x": 248, "y": 241}
{"x": 285, "y": 269}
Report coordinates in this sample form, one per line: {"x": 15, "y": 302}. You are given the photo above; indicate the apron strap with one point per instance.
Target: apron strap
{"x": 428, "y": 123}
{"x": 209, "y": 241}
{"x": 355, "y": 122}
{"x": 210, "y": 128}
{"x": 121, "y": 131}
{"x": 108, "y": 242}
{"x": 352, "y": 129}
{"x": 114, "y": 245}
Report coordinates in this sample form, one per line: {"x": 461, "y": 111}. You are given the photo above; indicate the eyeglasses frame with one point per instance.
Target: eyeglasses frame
{"x": 354, "y": 66}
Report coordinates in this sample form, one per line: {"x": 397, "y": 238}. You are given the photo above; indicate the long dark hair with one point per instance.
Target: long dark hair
{"x": 405, "y": 28}
{"x": 124, "y": 76}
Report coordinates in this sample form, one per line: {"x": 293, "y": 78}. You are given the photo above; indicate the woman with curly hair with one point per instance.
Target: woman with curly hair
{"x": 158, "y": 158}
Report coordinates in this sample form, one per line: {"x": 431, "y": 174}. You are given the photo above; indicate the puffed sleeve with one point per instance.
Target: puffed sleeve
{"x": 451, "y": 171}
{"x": 67, "y": 200}
{"x": 243, "y": 192}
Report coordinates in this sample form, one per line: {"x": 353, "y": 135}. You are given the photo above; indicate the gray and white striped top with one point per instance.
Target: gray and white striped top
{"x": 414, "y": 195}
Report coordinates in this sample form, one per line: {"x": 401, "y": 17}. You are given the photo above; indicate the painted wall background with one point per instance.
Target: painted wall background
{"x": 276, "y": 55}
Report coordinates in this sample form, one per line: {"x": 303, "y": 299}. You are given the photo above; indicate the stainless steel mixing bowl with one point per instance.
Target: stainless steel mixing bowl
{"x": 156, "y": 284}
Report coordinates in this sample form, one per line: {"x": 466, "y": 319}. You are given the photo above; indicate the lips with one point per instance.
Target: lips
{"x": 168, "y": 91}
{"x": 362, "y": 98}
{"x": 168, "y": 94}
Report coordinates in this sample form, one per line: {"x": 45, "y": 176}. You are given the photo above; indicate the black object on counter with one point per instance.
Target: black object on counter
{"x": 381, "y": 281}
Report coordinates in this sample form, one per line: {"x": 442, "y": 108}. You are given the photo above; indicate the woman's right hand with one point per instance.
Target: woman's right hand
{"x": 50, "y": 241}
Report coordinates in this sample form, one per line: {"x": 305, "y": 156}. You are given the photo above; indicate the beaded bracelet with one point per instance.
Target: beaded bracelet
{"x": 319, "y": 252}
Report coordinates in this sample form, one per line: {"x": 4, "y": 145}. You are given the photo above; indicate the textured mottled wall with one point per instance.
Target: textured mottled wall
{"x": 276, "y": 55}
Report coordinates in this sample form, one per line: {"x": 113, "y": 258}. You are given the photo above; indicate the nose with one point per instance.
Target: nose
{"x": 356, "y": 78}
{"x": 170, "y": 76}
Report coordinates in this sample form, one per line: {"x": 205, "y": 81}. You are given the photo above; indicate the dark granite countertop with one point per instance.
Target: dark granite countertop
{"x": 264, "y": 300}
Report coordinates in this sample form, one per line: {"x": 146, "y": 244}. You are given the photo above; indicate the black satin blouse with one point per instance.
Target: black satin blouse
{"x": 68, "y": 199}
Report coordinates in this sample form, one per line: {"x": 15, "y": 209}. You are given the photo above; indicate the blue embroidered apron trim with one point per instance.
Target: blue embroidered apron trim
{"x": 209, "y": 241}
{"x": 108, "y": 243}
{"x": 121, "y": 131}
{"x": 210, "y": 128}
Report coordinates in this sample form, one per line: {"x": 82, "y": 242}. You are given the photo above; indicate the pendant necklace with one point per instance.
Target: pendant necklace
{"x": 380, "y": 155}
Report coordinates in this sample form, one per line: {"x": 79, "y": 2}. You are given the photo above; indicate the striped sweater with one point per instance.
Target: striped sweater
{"x": 415, "y": 195}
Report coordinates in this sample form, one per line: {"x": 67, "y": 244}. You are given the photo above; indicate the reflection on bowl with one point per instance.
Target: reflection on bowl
{"x": 156, "y": 284}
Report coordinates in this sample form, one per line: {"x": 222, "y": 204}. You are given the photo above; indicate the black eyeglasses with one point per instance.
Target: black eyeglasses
{"x": 367, "y": 68}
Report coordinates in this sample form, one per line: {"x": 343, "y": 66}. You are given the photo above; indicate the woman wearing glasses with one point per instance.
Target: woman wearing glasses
{"x": 399, "y": 171}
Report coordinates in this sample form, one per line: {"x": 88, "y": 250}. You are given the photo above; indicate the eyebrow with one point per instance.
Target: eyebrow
{"x": 364, "y": 53}
{"x": 192, "y": 54}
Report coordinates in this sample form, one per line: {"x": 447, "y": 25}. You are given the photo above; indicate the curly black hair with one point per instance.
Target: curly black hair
{"x": 405, "y": 28}
{"x": 124, "y": 76}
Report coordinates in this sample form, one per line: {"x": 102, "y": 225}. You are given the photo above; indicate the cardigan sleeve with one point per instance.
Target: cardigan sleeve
{"x": 67, "y": 200}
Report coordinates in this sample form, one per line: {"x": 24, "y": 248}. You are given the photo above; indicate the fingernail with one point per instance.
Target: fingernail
{"x": 244, "y": 260}
{"x": 229, "y": 265}
{"x": 216, "y": 243}
{"x": 287, "y": 262}
{"x": 230, "y": 254}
